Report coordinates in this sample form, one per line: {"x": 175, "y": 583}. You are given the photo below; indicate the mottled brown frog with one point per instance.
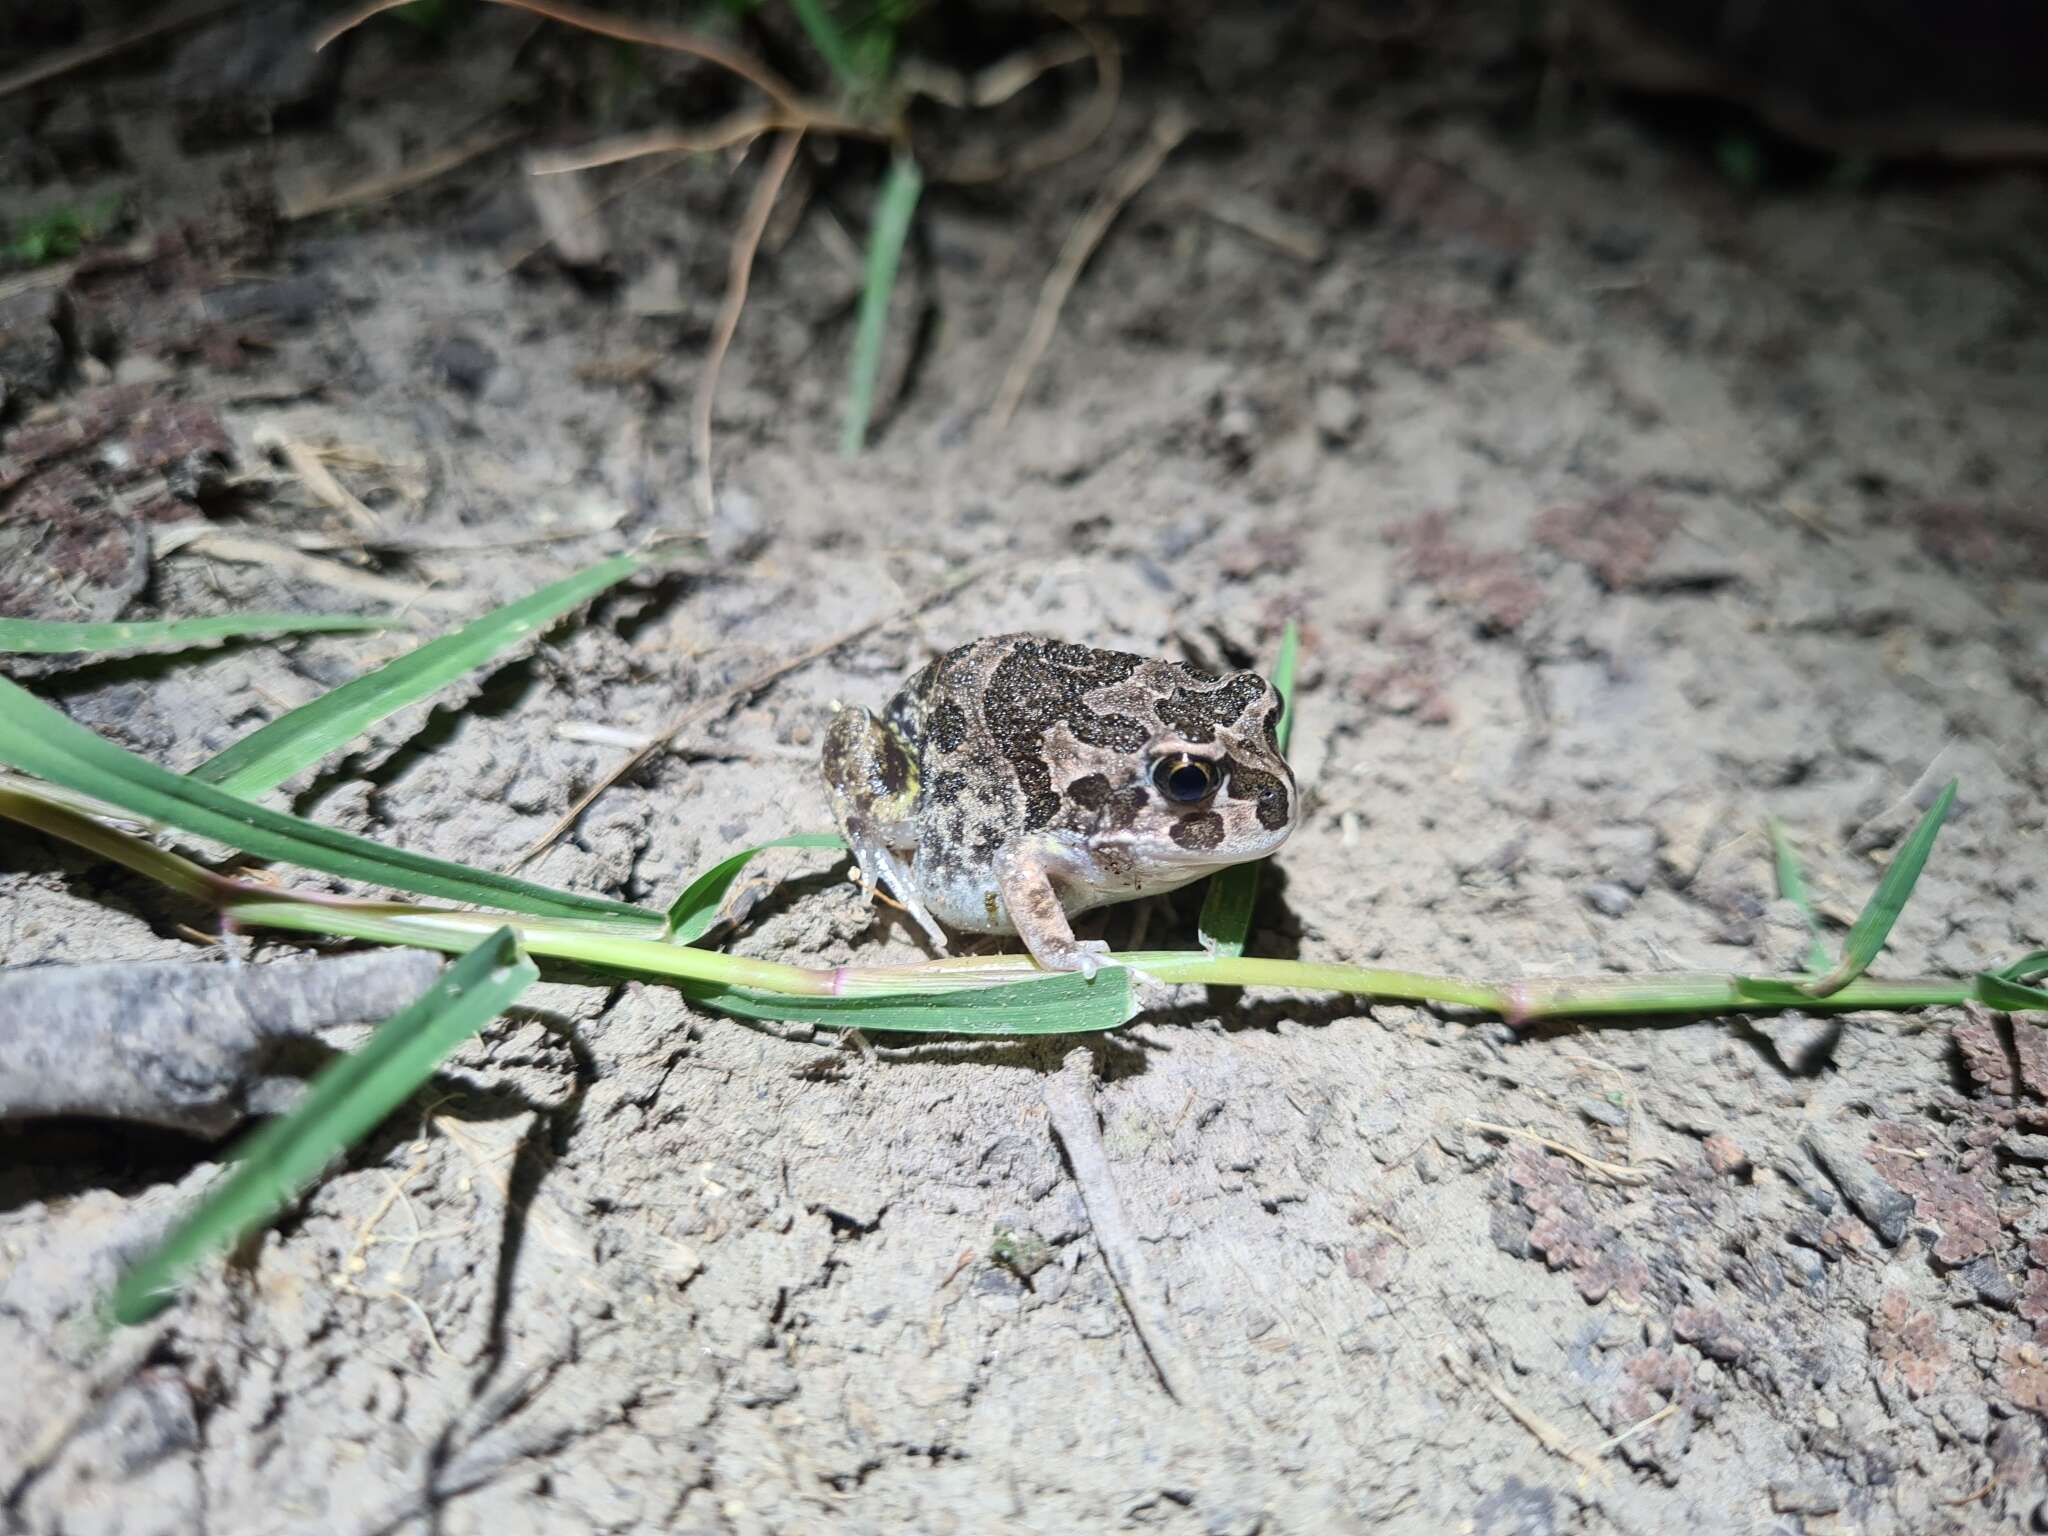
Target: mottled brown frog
{"x": 1020, "y": 780}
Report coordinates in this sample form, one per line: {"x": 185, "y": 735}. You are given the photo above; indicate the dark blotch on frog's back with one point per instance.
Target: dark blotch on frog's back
{"x": 1204, "y": 829}
{"x": 1197, "y": 712}
{"x": 948, "y": 725}
{"x": 1040, "y": 684}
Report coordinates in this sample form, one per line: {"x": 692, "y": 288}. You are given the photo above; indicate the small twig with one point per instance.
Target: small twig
{"x": 374, "y": 189}
{"x": 237, "y": 549}
{"x": 1167, "y": 132}
{"x": 1635, "y": 1429}
{"x": 967, "y": 1257}
{"x": 653, "y": 35}
{"x": 55, "y": 276}
{"x": 740, "y": 273}
{"x": 1548, "y": 1435}
{"x": 104, "y": 45}
{"x": 993, "y": 86}
{"x": 317, "y": 478}
{"x": 1063, "y": 143}
{"x": 1299, "y": 239}
{"x": 1620, "y": 1173}
{"x": 736, "y": 128}
{"x": 1070, "y": 1107}
{"x": 350, "y": 20}
{"x": 719, "y": 703}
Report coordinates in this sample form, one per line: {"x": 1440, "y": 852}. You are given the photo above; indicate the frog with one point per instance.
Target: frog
{"x": 1020, "y": 780}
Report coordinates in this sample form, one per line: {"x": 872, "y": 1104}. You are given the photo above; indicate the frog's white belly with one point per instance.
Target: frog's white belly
{"x": 973, "y": 903}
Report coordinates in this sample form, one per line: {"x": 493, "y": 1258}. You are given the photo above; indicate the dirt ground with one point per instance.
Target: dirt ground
{"x": 1620, "y": 505}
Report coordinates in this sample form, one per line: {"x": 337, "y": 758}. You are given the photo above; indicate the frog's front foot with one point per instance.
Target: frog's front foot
{"x": 1024, "y": 875}
{"x": 1084, "y": 955}
{"x": 882, "y": 869}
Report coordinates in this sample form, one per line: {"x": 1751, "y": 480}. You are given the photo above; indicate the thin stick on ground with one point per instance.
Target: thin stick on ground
{"x": 744, "y": 246}
{"x": 675, "y": 39}
{"x": 1167, "y": 132}
{"x": 238, "y": 549}
{"x": 1064, "y": 142}
{"x": 316, "y": 477}
{"x": 1070, "y": 1107}
{"x": 1547, "y": 1434}
{"x": 720, "y": 702}
{"x": 104, "y": 45}
{"x": 1620, "y": 1173}
{"x": 1635, "y": 1429}
{"x": 348, "y": 21}
{"x": 993, "y": 86}
{"x": 733, "y": 129}
{"x": 375, "y": 189}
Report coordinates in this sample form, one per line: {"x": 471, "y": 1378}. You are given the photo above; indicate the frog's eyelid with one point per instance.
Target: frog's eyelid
{"x": 1210, "y": 752}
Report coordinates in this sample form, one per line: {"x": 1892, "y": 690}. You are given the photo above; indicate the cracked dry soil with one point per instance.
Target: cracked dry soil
{"x": 1619, "y": 508}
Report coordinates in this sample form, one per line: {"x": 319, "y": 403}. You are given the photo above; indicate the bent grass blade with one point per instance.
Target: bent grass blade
{"x": 1226, "y": 919}
{"x": 42, "y": 741}
{"x": 1874, "y": 923}
{"x": 55, "y": 637}
{"x": 298, "y": 739}
{"x": 1792, "y": 887}
{"x": 695, "y": 913}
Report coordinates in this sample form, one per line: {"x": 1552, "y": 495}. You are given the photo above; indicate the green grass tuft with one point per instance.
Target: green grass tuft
{"x": 894, "y": 209}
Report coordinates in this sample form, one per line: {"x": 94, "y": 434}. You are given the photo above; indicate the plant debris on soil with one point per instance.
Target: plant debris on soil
{"x": 1620, "y": 503}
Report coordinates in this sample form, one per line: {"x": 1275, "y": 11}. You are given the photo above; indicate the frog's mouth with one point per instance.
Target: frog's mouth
{"x": 1186, "y": 846}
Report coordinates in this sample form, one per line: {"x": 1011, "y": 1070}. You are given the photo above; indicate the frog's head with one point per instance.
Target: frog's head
{"x": 1210, "y": 787}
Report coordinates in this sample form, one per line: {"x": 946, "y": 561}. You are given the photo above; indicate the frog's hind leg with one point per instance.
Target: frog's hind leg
{"x": 873, "y": 777}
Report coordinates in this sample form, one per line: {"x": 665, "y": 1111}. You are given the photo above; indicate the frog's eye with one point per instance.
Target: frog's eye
{"x": 1184, "y": 780}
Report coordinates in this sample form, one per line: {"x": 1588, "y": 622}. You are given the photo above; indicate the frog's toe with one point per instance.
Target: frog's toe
{"x": 1084, "y": 955}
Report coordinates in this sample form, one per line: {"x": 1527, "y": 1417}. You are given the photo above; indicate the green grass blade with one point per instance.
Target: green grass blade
{"x": 1792, "y": 887}
{"x": 2007, "y": 996}
{"x": 342, "y": 1104}
{"x": 41, "y": 741}
{"x": 2026, "y": 968}
{"x": 830, "y": 42}
{"x": 893, "y": 209}
{"x": 51, "y": 637}
{"x": 1064, "y": 1004}
{"x": 1771, "y": 991}
{"x": 1874, "y": 923}
{"x": 1226, "y": 918}
{"x": 266, "y": 757}
{"x": 696, "y": 911}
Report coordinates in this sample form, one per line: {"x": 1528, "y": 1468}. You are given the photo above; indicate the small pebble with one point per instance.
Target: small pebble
{"x": 1337, "y": 413}
{"x": 1601, "y": 1112}
{"x": 464, "y": 364}
{"x": 1725, "y": 1155}
{"x": 1609, "y": 898}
